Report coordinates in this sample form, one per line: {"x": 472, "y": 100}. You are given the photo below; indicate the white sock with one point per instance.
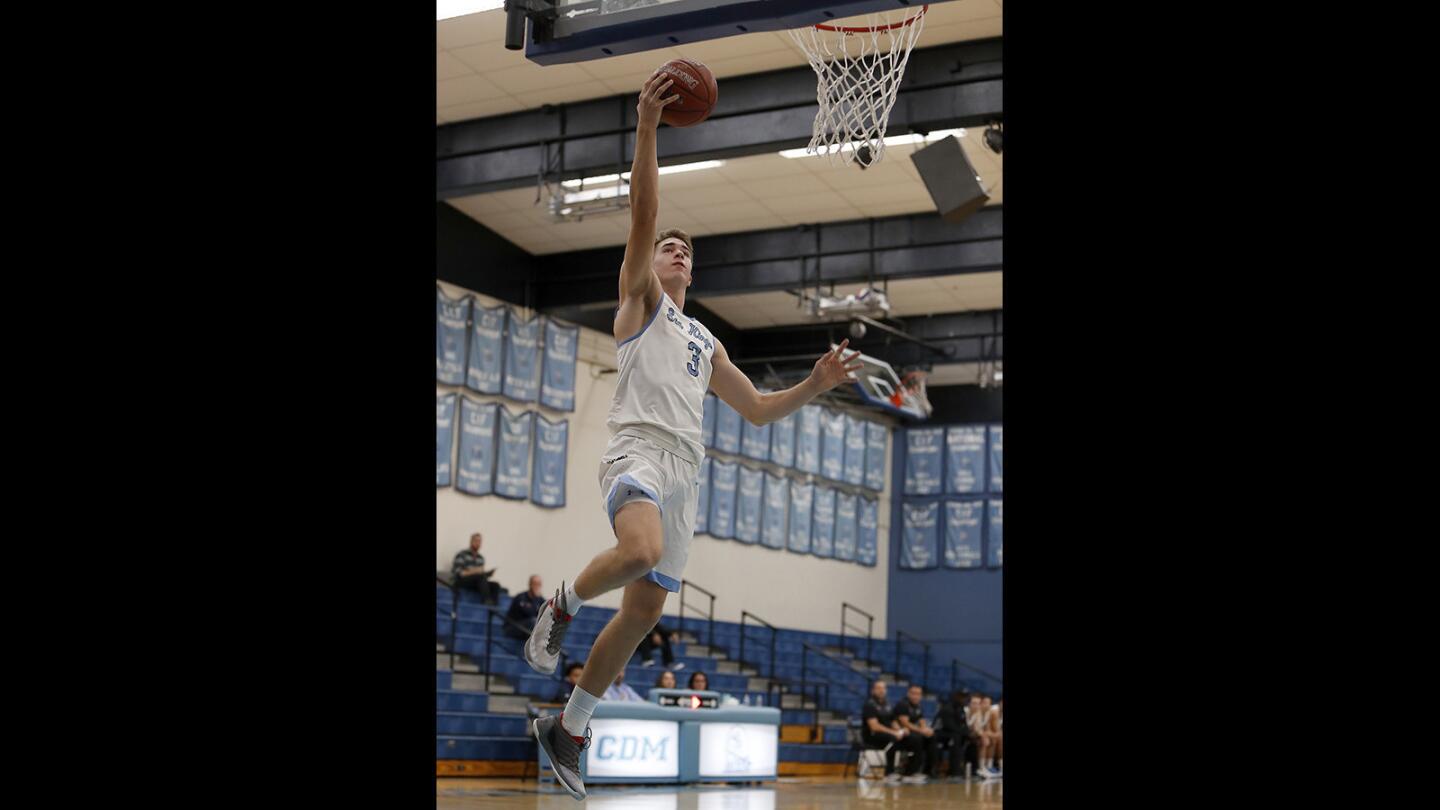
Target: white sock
{"x": 573, "y": 603}
{"x": 577, "y": 712}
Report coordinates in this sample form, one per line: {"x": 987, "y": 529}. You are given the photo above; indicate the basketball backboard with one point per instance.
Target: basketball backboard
{"x": 881, "y": 387}
{"x": 585, "y": 30}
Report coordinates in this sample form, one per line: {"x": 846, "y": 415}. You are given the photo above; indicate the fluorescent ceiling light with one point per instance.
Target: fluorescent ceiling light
{"x": 610, "y": 178}
{"x": 445, "y": 9}
{"x": 893, "y": 140}
{"x": 596, "y": 194}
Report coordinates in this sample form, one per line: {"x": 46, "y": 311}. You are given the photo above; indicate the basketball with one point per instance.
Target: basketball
{"x": 695, "y": 85}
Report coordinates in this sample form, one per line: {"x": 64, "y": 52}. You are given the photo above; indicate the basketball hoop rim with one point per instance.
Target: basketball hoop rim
{"x": 871, "y": 29}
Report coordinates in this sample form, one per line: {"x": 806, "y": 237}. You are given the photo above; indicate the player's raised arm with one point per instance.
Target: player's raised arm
{"x": 637, "y": 280}
{"x": 731, "y": 385}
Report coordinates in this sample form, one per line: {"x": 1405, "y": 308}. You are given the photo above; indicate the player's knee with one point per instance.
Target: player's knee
{"x": 640, "y": 557}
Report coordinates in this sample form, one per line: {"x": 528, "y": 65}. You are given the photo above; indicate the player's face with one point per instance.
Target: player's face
{"x": 673, "y": 262}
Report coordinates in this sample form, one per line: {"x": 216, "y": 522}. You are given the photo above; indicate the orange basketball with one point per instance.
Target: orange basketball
{"x": 695, "y": 85}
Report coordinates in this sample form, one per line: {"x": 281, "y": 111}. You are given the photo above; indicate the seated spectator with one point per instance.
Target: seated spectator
{"x": 997, "y": 735}
{"x": 699, "y": 682}
{"x": 911, "y": 718}
{"x": 666, "y": 680}
{"x": 658, "y": 637}
{"x": 621, "y": 690}
{"x": 523, "y": 610}
{"x": 977, "y": 716}
{"x": 572, "y": 677}
{"x": 881, "y": 731}
{"x": 954, "y": 733}
{"x": 469, "y": 572}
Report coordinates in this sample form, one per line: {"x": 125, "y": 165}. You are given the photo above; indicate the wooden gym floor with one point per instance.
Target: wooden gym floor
{"x": 788, "y": 793}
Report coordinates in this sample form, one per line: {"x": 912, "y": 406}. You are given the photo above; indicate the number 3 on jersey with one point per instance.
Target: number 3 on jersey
{"x": 694, "y": 365}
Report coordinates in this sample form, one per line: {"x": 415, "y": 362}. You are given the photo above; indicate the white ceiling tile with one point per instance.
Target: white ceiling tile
{"x": 763, "y": 187}
{"x": 458, "y": 32}
{"x": 559, "y": 95}
{"x": 481, "y": 109}
{"x": 689, "y": 180}
{"x": 911, "y": 191}
{"x": 966, "y": 31}
{"x": 753, "y": 63}
{"x": 950, "y": 13}
{"x": 464, "y": 90}
{"x": 448, "y": 67}
{"x": 722, "y": 212}
{"x": 488, "y": 56}
{"x": 731, "y": 47}
{"x": 761, "y": 167}
{"x": 695, "y": 199}
{"x": 634, "y": 66}
{"x": 517, "y": 80}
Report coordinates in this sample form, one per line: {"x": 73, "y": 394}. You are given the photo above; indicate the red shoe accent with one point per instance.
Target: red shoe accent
{"x": 578, "y": 740}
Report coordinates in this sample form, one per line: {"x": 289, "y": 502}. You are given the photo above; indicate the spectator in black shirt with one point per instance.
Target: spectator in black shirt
{"x": 659, "y": 637}
{"x": 469, "y": 572}
{"x": 954, "y": 733}
{"x": 523, "y": 610}
{"x": 879, "y": 730}
{"x": 572, "y": 677}
{"x": 912, "y": 719}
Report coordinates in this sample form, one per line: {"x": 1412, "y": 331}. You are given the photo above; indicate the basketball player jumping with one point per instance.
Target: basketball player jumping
{"x": 648, "y": 472}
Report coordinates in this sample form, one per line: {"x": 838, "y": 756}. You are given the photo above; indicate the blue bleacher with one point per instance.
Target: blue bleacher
{"x": 465, "y": 729}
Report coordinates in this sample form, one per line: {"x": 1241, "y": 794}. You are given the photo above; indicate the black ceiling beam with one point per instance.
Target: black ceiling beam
{"x": 947, "y": 86}
{"x": 906, "y": 246}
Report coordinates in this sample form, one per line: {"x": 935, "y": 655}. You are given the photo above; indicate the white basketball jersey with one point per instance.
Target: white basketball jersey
{"x": 664, "y": 374}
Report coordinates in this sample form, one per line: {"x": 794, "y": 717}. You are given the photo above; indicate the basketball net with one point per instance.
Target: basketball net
{"x": 912, "y": 392}
{"x": 859, "y": 70}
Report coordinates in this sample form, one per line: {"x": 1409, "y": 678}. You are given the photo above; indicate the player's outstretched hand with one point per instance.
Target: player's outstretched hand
{"x": 835, "y": 367}
{"x": 653, "y": 99}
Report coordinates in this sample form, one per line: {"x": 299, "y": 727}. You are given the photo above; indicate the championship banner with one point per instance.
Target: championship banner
{"x": 802, "y": 496}
{"x": 832, "y": 452}
{"x": 996, "y": 546}
{"x": 923, "y": 460}
{"x": 917, "y": 539}
{"x": 748, "y": 505}
{"x": 876, "y": 459}
{"x": 782, "y": 441}
{"x": 444, "y": 437}
{"x": 777, "y": 505}
{"x": 486, "y": 359}
{"x": 723, "y": 483}
{"x": 522, "y": 359}
{"x": 996, "y": 467}
{"x": 551, "y": 439}
{"x": 807, "y": 440}
{"x": 964, "y": 459}
{"x": 475, "y": 469}
{"x": 822, "y": 527}
{"x": 962, "y": 534}
{"x": 845, "y": 527}
{"x": 727, "y": 427}
{"x": 512, "y": 471}
{"x": 557, "y": 386}
{"x": 869, "y": 523}
{"x": 451, "y": 317}
{"x": 854, "y": 450}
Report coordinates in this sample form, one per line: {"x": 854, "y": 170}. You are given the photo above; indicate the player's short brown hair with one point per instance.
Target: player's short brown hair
{"x": 675, "y": 233}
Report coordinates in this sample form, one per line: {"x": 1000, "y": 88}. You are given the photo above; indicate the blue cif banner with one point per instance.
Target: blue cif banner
{"x": 854, "y": 451}
{"x": 832, "y": 451}
{"x": 782, "y": 441}
{"x": 996, "y": 546}
{"x": 964, "y": 459}
{"x": 869, "y": 532}
{"x": 702, "y": 508}
{"x": 451, "y": 316}
{"x": 707, "y": 422}
{"x": 923, "y": 460}
{"x": 727, "y": 427}
{"x": 723, "y": 483}
{"x": 802, "y": 495}
{"x": 551, "y": 439}
{"x": 996, "y": 458}
{"x": 962, "y": 534}
{"x": 807, "y": 440}
{"x": 522, "y": 359}
{"x": 875, "y": 455}
{"x": 822, "y": 523}
{"x": 777, "y": 505}
{"x": 512, "y": 469}
{"x": 748, "y": 505}
{"x": 487, "y": 350}
{"x": 444, "y": 437}
{"x": 845, "y": 527}
{"x": 557, "y": 387}
{"x": 918, "y": 534}
{"x": 475, "y": 470}
{"x": 755, "y": 441}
